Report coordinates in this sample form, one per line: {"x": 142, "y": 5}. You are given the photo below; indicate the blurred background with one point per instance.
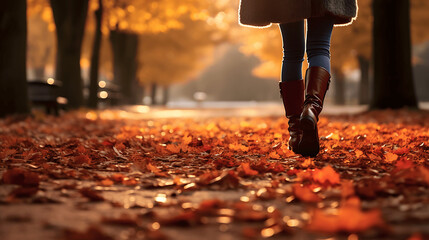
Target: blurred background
{"x": 193, "y": 53}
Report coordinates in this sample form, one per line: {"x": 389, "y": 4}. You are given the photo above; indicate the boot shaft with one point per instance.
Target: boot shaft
{"x": 317, "y": 84}
{"x": 292, "y": 94}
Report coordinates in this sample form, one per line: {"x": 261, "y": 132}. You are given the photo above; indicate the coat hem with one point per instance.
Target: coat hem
{"x": 259, "y": 14}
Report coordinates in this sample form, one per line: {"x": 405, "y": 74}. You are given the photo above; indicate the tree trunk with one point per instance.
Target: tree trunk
{"x": 39, "y": 72}
{"x": 165, "y": 95}
{"x": 69, "y": 17}
{"x": 364, "y": 65}
{"x": 13, "y": 47}
{"x": 138, "y": 93}
{"x": 393, "y": 77}
{"x": 95, "y": 58}
{"x": 124, "y": 46}
{"x": 153, "y": 94}
{"x": 339, "y": 88}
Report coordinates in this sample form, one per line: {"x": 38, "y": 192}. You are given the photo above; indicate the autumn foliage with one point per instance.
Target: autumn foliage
{"x": 370, "y": 167}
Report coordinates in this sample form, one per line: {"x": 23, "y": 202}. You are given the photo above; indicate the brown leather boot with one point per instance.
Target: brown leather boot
{"x": 292, "y": 93}
{"x": 317, "y": 83}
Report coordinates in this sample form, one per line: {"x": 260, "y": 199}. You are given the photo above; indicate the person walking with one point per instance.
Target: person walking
{"x": 302, "y": 104}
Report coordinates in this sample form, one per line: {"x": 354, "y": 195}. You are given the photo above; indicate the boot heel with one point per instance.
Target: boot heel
{"x": 307, "y": 123}
{"x": 309, "y": 144}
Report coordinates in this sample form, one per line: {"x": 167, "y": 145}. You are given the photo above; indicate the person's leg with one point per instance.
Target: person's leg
{"x": 318, "y": 42}
{"x": 293, "y": 50}
{"x": 317, "y": 82}
{"x": 292, "y": 85}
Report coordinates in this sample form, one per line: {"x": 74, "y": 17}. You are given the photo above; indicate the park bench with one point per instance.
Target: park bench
{"x": 108, "y": 93}
{"x": 46, "y": 93}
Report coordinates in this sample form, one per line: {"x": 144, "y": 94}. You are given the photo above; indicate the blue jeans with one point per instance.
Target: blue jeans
{"x": 319, "y": 32}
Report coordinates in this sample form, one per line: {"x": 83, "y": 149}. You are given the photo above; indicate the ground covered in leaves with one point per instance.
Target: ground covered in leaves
{"x": 82, "y": 176}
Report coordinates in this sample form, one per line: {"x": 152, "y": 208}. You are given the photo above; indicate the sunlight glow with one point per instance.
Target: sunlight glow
{"x": 102, "y": 84}
{"x": 293, "y": 222}
{"x": 50, "y": 81}
{"x": 155, "y": 225}
{"x": 84, "y": 63}
{"x": 224, "y": 220}
{"x": 62, "y": 100}
{"x": 91, "y": 116}
{"x": 103, "y": 94}
{"x": 142, "y": 109}
{"x": 161, "y": 198}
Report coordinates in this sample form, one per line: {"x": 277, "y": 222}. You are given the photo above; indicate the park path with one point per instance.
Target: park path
{"x": 109, "y": 175}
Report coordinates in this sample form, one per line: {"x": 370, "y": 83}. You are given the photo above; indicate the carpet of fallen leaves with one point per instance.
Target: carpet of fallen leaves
{"x": 79, "y": 176}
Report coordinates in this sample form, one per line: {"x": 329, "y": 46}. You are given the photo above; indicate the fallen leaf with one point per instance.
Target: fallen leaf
{"x": 326, "y": 176}
{"x": 21, "y": 177}
{"x": 347, "y": 189}
{"x": 81, "y": 159}
{"x": 274, "y": 155}
{"x": 106, "y": 182}
{"x": 226, "y": 180}
{"x": 404, "y": 164}
{"x": 245, "y": 170}
{"x": 345, "y": 219}
{"x": 91, "y": 194}
{"x": 401, "y": 151}
{"x": 358, "y": 153}
{"x": 305, "y": 194}
{"x": 307, "y": 163}
{"x": 156, "y": 170}
{"x": 390, "y": 157}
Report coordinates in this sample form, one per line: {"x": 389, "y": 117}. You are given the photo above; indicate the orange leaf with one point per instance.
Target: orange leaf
{"x": 91, "y": 194}
{"x": 349, "y": 218}
{"x": 305, "y": 194}
{"x": 226, "y": 180}
{"x": 333, "y": 136}
{"x": 117, "y": 177}
{"x": 358, "y": 153}
{"x": 129, "y": 182}
{"x": 106, "y": 182}
{"x": 173, "y": 148}
{"x": 82, "y": 159}
{"x": 404, "y": 164}
{"x": 390, "y": 157}
{"x": 155, "y": 170}
{"x": 245, "y": 170}
{"x": 307, "y": 163}
{"x": 274, "y": 155}
{"x": 179, "y": 181}
{"x": 347, "y": 188}
{"x": 186, "y": 140}
{"x": 401, "y": 151}
{"x": 120, "y": 146}
{"x": 326, "y": 175}
{"x": 275, "y": 167}
{"x": 238, "y": 147}
{"x": 207, "y": 177}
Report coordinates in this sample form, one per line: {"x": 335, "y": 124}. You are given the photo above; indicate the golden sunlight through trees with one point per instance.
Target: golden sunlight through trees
{"x": 347, "y": 42}
{"x": 160, "y": 42}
